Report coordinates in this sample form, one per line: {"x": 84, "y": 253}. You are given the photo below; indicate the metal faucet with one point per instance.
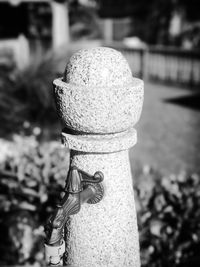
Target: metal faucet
{"x": 80, "y": 187}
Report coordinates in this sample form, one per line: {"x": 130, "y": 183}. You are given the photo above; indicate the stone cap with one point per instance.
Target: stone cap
{"x": 98, "y": 93}
{"x": 98, "y": 67}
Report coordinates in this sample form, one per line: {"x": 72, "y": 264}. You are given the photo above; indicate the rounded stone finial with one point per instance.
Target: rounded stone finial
{"x": 98, "y": 93}
{"x": 100, "y": 66}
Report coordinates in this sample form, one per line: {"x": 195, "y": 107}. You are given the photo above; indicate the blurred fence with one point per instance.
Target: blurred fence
{"x": 165, "y": 64}
{"x": 170, "y": 65}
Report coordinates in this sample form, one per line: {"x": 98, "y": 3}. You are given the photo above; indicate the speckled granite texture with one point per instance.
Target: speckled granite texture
{"x": 99, "y": 95}
{"x": 100, "y": 101}
{"x": 107, "y": 143}
{"x": 98, "y": 67}
{"x": 105, "y": 234}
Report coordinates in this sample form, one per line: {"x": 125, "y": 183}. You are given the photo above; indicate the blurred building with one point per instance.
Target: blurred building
{"x": 24, "y": 23}
{"x": 116, "y": 18}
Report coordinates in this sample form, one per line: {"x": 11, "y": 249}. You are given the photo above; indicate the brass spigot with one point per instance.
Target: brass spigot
{"x": 80, "y": 187}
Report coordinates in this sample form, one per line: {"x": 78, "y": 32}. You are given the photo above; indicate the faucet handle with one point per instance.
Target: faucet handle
{"x": 95, "y": 183}
{"x": 94, "y": 179}
{"x": 78, "y": 180}
{"x": 73, "y": 182}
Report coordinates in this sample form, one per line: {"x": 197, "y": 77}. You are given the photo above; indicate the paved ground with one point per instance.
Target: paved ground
{"x": 169, "y": 130}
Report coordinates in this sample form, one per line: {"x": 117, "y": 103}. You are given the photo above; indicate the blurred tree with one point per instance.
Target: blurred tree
{"x": 84, "y": 22}
{"x": 116, "y": 8}
{"x": 151, "y": 20}
{"x": 191, "y": 8}
{"x": 65, "y": 13}
{"x": 40, "y": 21}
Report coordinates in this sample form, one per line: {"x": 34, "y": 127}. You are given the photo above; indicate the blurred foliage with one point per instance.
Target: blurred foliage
{"x": 82, "y": 19}
{"x": 190, "y": 7}
{"x": 151, "y": 19}
{"x": 27, "y": 95}
{"x": 39, "y": 20}
{"x": 169, "y": 219}
{"x": 32, "y": 176}
{"x": 84, "y": 23}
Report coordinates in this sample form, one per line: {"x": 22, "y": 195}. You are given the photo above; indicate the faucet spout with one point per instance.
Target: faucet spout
{"x": 80, "y": 188}
{"x": 69, "y": 205}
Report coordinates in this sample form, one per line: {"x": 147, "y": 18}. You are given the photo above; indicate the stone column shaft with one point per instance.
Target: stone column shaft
{"x": 113, "y": 241}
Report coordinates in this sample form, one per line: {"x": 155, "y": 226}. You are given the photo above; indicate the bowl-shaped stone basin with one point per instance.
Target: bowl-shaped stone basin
{"x": 100, "y": 110}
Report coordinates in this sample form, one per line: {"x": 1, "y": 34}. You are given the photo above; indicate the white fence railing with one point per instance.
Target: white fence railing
{"x": 164, "y": 64}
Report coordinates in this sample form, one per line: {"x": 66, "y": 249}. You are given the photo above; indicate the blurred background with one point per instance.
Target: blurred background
{"x": 161, "y": 41}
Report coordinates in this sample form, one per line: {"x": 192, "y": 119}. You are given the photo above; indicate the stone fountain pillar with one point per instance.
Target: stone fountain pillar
{"x": 99, "y": 102}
